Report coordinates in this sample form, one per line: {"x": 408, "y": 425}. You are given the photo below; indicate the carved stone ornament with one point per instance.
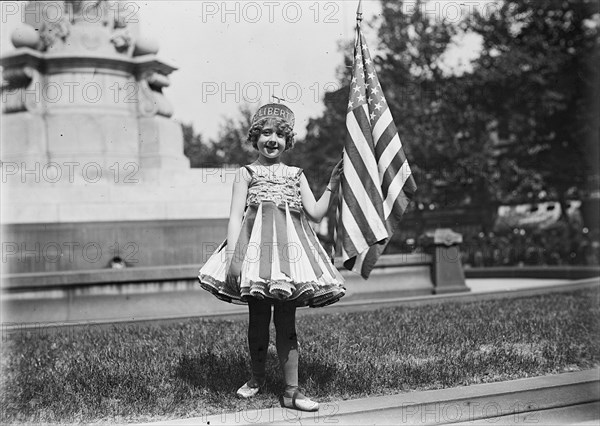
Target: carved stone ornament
{"x": 147, "y": 106}
{"x": 54, "y": 33}
{"x": 121, "y": 39}
{"x": 21, "y": 90}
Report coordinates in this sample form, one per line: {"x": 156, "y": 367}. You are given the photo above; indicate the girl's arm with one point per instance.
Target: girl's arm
{"x": 236, "y": 212}
{"x": 316, "y": 210}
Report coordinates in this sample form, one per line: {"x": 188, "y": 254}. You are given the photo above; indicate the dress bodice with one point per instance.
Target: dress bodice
{"x": 281, "y": 190}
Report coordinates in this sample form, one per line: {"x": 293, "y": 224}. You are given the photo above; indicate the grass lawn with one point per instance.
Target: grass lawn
{"x": 193, "y": 368}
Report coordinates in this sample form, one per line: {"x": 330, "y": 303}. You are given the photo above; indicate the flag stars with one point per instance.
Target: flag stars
{"x": 365, "y": 88}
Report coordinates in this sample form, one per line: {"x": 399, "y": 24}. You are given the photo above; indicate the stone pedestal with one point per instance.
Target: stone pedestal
{"x": 155, "y": 153}
{"x": 64, "y": 108}
{"x": 446, "y": 271}
{"x": 88, "y": 143}
{"x": 157, "y": 217}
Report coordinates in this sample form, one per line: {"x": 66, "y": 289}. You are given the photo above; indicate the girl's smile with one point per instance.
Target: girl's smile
{"x": 271, "y": 142}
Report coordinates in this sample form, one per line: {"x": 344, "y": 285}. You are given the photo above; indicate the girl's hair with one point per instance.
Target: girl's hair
{"x": 281, "y": 126}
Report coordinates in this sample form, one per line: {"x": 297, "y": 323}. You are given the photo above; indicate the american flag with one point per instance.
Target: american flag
{"x": 377, "y": 184}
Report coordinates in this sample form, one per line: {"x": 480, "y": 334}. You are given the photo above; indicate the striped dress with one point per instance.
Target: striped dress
{"x": 277, "y": 252}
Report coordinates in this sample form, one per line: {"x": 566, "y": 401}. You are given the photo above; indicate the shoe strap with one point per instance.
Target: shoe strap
{"x": 298, "y": 396}
{"x": 252, "y": 387}
{"x": 295, "y": 397}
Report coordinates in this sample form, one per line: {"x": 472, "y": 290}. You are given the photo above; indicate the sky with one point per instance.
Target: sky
{"x": 231, "y": 53}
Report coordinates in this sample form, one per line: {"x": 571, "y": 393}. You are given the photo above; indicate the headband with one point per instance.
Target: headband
{"x": 274, "y": 111}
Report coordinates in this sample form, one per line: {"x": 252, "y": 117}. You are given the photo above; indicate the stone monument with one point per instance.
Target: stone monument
{"x": 80, "y": 84}
{"x": 93, "y": 169}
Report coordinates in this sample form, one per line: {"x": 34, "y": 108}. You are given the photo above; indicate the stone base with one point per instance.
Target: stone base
{"x": 24, "y": 139}
{"x": 447, "y": 274}
{"x": 83, "y": 246}
{"x": 458, "y": 288}
{"x": 105, "y": 141}
{"x": 167, "y": 291}
{"x": 161, "y": 144}
{"x": 125, "y": 192}
{"x": 148, "y": 218}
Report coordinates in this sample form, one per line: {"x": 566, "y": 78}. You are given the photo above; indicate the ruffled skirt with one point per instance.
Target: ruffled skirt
{"x": 279, "y": 257}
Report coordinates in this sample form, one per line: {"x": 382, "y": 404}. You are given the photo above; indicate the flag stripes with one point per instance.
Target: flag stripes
{"x": 366, "y": 234}
{"x": 377, "y": 182}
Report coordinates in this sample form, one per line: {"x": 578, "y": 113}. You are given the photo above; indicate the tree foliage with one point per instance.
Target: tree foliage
{"x": 520, "y": 126}
{"x": 537, "y": 76}
{"x": 230, "y": 146}
{"x": 196, "y": 149}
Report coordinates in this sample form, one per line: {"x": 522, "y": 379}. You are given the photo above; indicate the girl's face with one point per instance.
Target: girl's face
{"x": 271, "y": 142}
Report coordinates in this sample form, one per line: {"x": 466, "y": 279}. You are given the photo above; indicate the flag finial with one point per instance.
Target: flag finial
{"x": 359, "y": 12}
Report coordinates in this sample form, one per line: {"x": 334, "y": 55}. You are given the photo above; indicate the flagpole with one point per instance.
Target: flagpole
{"x": 338, "y": 203}
{"x": 359, "y": 18}
{"x": 339, "y": 194}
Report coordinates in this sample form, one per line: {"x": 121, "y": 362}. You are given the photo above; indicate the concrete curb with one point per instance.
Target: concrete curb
{"x": 544, "y": 272}
{"x": 367, "y": 302}
{"x": 521, "y": 400}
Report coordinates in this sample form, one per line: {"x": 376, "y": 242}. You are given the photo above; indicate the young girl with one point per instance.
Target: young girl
{"x": 272, "y": 256}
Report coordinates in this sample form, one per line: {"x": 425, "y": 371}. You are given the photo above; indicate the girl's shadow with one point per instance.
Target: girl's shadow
{"x": 220, "y": 374}
{"x": 213, "y": 372}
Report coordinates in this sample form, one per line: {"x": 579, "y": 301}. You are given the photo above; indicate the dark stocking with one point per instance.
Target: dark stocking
{"x": 287, "y": 342}
{"x": 258, "y": 338}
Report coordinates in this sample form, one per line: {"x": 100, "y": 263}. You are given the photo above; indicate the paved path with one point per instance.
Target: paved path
{"x": 568, "y": 398}
{"x": 162, "y": 306}
{"x": 482, "y": 285}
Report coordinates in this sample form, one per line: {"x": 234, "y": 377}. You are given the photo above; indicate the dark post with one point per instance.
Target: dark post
{"x": 446, "y": 269}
